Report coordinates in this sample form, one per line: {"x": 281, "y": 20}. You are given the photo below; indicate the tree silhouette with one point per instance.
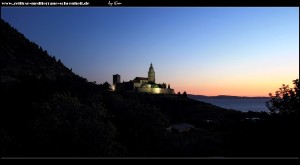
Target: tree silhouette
{"x": 106, "y": 86}
{"x": 184, "y": 94}
{"x": 285, "y": 100}
{"x": 59, "y": 62}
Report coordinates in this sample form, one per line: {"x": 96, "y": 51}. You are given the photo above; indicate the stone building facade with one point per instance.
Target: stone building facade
{"x": 145, "y": 84}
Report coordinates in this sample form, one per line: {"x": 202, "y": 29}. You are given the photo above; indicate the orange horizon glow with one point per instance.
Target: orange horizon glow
{"x": 243, "y": 90}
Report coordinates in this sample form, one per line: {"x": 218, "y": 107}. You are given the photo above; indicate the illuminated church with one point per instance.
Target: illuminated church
{"x": 142, "y": 84}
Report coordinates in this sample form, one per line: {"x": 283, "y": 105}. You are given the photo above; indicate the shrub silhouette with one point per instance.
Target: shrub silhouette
{"x": 285, "y": 100}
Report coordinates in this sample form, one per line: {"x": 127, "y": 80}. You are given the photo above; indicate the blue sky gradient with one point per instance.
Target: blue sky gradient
{"x": 245, "y": 51}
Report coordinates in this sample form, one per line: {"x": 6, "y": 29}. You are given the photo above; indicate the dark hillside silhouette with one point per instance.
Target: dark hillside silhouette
{"x": 47, "y": 110}
{"x": 21, "y": 58}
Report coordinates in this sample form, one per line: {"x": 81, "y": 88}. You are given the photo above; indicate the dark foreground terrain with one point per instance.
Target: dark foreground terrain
{"x": 48, "y": 111}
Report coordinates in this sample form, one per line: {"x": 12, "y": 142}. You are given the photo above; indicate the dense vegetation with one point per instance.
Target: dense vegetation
{"x": 47, "y": 110}
{"x": 286, "y": 100}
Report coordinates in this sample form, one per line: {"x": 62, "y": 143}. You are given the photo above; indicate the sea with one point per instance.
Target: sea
{"x": 241, "y": 104}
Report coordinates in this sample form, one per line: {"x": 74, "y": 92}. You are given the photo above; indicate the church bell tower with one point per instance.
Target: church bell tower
{"x": 151, "y": 74}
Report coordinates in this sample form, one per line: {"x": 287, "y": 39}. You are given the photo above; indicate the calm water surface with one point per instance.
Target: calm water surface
{"x": 241, "y": 104}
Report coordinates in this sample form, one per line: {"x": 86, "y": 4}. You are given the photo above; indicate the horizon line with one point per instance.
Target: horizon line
{"x": 222, "y": 95}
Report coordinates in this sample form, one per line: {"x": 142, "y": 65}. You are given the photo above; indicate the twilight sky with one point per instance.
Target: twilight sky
{"x": 243, "y": 51}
